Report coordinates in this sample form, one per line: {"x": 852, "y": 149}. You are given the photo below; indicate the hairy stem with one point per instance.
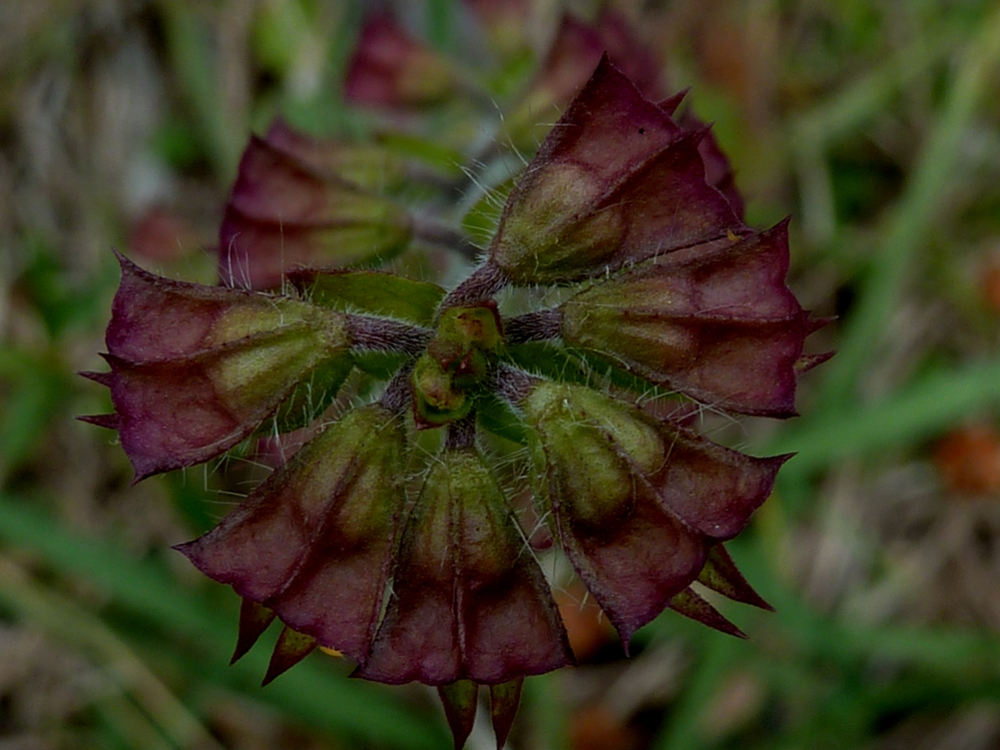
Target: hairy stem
{"x": 514, "y": 384}
{"x": 483, "y": 284}
{"x": 396, "y": 396}
{"x": 534, "y": 326}
{"x": 383, "y": 334}
{"x": 462, "y": 434}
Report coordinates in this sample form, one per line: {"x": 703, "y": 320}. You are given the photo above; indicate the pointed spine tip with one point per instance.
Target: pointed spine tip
{"x": 459, "y": 700}
{"x": 291, "y": 648}
{"x": 254, "y": 620}
{"x": 101, "y": 378}
{"x": 107, "y": 421}
{"x": 504, "y": 701}
{"x": 691, "y": 605}
{"x": 671, "y": 103}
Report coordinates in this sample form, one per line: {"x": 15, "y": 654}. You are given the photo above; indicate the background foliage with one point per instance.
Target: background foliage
{"x": 876, "y": 124}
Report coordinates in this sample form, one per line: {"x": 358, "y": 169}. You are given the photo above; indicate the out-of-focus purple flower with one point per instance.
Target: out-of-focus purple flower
{"x": 505, "y": 22}
{"x": 575, "y": 51}
{"x": 282, "y": 214}
{"x": 366, "y": 165}
{"x": 389, "y": 68}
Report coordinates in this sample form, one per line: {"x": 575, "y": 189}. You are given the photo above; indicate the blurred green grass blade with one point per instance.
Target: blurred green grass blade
{"x": 846, "y": 112}
{"x": 804, "y": 633}
{"x": 58, "y": 616}
{"x": 541, "y": 705}
{"x": 913, "y": 218}
{"x": 913, "y": 413}
{"x": 683, "y": 729}
{"x": 868, "y": 96}
{"x": 34, "y": 390}
{"x": 192, "y": 57}
{"x": 440, "y": 24}
{"x": 313, "y": 694}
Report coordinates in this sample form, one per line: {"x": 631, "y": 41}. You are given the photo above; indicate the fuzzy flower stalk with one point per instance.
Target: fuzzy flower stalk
{"x": 392, "y": 535}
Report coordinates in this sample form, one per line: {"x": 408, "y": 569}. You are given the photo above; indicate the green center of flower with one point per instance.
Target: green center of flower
{"x": 456, "y": 363}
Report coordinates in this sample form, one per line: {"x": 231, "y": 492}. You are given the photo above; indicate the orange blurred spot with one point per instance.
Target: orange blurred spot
{"x": 968, "y": 459}
{"x": 990, "y": 285}
{"x": 586, "y": 625}
{"x": 332, "y": 652}
{"x": 595, "y": 727}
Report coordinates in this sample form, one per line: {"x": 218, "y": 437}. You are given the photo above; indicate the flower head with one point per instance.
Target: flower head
{"x": 390, "y": 536}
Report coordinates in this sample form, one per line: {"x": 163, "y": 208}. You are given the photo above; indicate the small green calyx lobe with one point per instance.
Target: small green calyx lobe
{"x": 457, "y": 361}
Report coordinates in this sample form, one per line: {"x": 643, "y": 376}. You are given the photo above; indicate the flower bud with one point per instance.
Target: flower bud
{"x": 636, "y": 502}
{"x": 719, "y": 325}
{"x": 616, "y": 182}
{"x": 456, "y": 363}
{"x": 470, "y": 601}
{"x": 314, "y": 543}
{"x": 194, "y": 369}
{"x": 437, "y": 399}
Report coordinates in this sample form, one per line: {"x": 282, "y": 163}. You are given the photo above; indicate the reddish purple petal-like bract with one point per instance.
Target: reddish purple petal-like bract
{"x": 366, "y": 165}
{"x": 616, "y": 182}
{"x": 315, "y": 542}
{"x": 389, "y": 68}
{"x": 717, "y": 324}
{"x": 195, "y": 369}
{"x": 637, "y": 503}
{"x": 282, "y": 214}
{"x": 470, "y": 601}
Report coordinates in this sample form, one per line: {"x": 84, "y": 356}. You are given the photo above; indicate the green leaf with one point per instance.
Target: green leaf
{"x": 373, "y": 292}
{"x": 312, "y": 397}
